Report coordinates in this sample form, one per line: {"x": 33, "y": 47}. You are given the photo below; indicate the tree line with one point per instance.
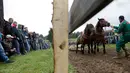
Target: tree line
{"x": 71, "y": 36}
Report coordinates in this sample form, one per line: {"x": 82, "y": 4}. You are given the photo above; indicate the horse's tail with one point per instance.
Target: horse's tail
{"x": 77, "y": 42}
{"x": 79, "y": 39}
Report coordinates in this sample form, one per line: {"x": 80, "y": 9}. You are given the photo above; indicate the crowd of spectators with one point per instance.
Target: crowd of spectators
{"x": 15, "y": 39}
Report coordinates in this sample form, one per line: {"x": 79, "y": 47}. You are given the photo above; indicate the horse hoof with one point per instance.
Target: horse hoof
{"x": 98, "y": 50}
{"x": 82, "y": 52}
{"x": 88, "y": 52}
{"x": 94, "y": 52}
{"x": 104, "y": 53}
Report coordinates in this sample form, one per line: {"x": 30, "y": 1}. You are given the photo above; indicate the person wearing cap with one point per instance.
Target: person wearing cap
{"x": 124, "y": 31}
{"x": 3, "y": 56}
{"x": 8, "y": 47}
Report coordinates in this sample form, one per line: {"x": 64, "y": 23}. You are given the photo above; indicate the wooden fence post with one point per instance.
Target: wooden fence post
{"x": 60, "y": 35}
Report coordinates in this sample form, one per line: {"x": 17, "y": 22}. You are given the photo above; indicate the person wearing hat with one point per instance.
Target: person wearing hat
{"x": 7, "y": 44}
{"x": 3, "y": 56}
{"x": 124, "y": 31}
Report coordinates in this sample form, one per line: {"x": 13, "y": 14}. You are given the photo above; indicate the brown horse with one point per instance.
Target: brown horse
{"x": 98, "y": 35}
{"x": 85, "y": 38}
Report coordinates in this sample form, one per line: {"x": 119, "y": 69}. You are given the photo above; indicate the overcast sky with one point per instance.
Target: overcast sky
{"x": 111, "y": 13}
{"x": 37, "y": 14}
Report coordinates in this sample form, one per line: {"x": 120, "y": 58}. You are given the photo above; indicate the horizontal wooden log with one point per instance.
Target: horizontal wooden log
{"x": 82, "y": 10}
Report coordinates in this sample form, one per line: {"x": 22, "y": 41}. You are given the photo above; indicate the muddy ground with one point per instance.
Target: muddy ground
{"x": 99, "y": 63}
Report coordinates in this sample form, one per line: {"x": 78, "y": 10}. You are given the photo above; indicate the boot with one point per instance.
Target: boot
{"x": 118, "y": 56}
{"x": 126, "y": 52}
{"x": 9, "y": 61}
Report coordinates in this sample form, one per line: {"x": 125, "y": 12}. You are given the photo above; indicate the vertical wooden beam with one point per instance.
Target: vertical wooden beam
{"x": 1, "y": 15}
{"x": 1, "y": 9}
{"x": 60, "y": 35}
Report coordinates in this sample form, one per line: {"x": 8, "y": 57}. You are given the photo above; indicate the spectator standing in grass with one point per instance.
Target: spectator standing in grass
{"x": 34, "y": 41}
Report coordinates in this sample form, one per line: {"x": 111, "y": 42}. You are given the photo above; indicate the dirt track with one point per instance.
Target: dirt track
{"x": 99, "y": 63}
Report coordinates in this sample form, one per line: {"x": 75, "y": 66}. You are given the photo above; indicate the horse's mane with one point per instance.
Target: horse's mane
{"x": 98, "y": 25}
{"x": 88, "y": 28}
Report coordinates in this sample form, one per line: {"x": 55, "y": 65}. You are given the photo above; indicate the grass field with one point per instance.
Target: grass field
{"x": 113, "y": 46}
{"x": 34, "y": 62}
{"x": 107, "y": 45}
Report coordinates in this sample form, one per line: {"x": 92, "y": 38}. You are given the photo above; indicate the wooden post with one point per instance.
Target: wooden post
{"x": 60, "y": 35}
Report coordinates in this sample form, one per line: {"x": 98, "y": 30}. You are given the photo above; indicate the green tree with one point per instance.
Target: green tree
{"x": 41, "y": 36}
{"x": 74, "y": 35}
{"x": 50, "y": 35}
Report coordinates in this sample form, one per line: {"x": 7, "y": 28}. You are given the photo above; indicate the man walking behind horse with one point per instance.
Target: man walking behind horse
{"x": 124, "y": 30}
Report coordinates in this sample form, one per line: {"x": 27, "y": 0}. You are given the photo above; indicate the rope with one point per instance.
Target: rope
{"x": 109, "y": 45}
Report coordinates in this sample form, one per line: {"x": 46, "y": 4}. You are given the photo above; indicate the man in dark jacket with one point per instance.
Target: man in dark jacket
{"x": 21, "y": 40}
{"x": 7, "y": 27}
{"x": 16, "y": 36}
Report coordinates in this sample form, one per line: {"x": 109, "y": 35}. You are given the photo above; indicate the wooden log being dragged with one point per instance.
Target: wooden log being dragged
{"x": 82, "y": 10}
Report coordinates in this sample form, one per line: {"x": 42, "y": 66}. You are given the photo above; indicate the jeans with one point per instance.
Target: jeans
{"x": 22, "y": 47}
{"x": 3, "y": 56}
{"x": 16, "y": 45}
{"x": 34, "y": 45}
{"x": 27, "y": 46}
